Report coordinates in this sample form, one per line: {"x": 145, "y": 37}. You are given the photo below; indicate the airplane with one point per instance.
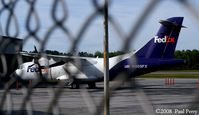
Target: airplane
{"x": 157, "y": 54}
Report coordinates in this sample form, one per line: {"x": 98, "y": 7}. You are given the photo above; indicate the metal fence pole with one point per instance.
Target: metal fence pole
{"x": 106, "y": 60}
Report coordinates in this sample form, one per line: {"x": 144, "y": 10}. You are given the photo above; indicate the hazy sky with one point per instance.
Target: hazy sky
{"x": 126, "y": 13}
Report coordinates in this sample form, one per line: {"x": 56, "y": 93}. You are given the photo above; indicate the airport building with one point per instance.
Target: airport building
{"x": 9, "y": 48}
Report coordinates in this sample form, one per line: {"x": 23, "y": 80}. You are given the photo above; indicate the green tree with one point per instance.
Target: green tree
{"x": 98, "y": 54}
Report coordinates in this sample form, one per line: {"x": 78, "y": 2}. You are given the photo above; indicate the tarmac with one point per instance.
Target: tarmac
{"x": 149, "y": 97}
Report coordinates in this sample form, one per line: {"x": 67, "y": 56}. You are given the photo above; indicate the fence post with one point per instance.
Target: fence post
{"x": 106, "y": 60}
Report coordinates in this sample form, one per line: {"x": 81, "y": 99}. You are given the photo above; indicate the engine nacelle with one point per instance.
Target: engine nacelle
{"x": 63, "y": 77}
{"x": 66, "y": 79}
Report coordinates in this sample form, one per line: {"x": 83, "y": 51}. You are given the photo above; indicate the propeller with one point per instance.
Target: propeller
{"x": 36, "y": 51}
{"x": 36, "y": 58}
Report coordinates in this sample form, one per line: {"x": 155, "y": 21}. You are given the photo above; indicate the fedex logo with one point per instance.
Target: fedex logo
{"x": 166, "y": 39}
{"x": 32, "y": 69}
{"x": 36, "y": 69}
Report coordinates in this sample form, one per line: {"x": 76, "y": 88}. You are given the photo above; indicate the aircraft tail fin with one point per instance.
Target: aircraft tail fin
{"x": 164, "y": 43}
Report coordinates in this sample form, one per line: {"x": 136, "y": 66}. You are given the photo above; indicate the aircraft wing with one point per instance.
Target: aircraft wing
{"x": 54, "y": 59}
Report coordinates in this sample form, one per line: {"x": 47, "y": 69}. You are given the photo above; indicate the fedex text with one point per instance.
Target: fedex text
{"x": 36, "y": 69}
{"x": 166, "y": 39}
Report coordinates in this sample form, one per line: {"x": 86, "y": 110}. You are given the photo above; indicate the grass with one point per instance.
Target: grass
{"x": 178, "y": 75}
{"x": 181, "y": 70}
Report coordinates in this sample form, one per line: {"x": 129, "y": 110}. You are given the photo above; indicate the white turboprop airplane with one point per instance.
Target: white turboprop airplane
{"x": 75, "y": 71}
{"x": 156, "y": 54}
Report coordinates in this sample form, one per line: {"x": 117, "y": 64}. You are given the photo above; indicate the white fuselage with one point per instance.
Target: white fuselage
{"x": 90, "y": 70}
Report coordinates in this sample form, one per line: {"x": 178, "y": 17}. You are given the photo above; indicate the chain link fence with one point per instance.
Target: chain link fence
{"x": 32, "y": 23}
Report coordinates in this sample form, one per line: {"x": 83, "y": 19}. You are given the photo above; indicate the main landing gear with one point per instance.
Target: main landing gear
{"x": 76, "y": 85}
{"x": 92, "y": 85}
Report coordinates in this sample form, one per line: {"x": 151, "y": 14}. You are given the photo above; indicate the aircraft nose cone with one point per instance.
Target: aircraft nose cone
{"x": 18, "y": 72}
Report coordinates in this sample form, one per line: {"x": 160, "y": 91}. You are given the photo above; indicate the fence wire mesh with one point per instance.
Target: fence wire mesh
{"x": 32, "y": 23}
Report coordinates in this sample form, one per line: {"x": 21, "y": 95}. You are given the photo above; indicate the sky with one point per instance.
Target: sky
{"x": 125, "y": 12}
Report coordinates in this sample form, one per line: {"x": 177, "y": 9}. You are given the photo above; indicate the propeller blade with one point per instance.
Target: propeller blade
{"x": 36, "y": 51}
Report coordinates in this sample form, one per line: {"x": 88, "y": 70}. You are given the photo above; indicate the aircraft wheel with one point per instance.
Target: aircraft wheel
{"x": 91, "y": 85}
{"x": 75, "y": 86}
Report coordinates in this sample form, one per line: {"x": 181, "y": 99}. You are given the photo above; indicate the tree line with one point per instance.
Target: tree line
{"x": 190, "y": 56}
{"x": 86, "y": 54}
